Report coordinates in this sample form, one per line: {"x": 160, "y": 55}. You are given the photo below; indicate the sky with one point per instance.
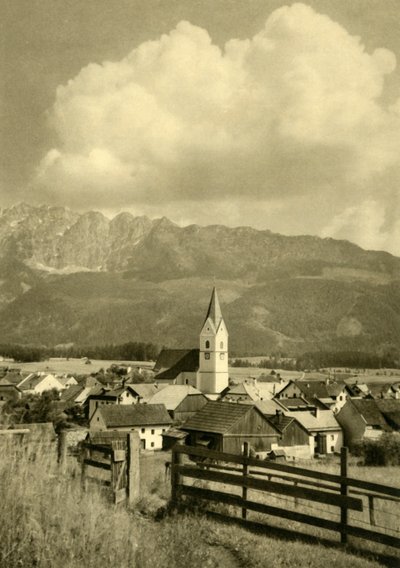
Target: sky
{"x": 281, "y": 116}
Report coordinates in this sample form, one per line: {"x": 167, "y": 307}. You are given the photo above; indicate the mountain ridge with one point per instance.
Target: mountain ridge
{"x": 81, "y": 277}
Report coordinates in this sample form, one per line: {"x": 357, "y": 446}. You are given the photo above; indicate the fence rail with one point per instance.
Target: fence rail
{"x": 342, "y": 493}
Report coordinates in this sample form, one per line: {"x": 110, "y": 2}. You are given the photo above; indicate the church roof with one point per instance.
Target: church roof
{"x": 188, "y": 363}
{"x": 169, "y": 357}
{"x": 214, "y": 309}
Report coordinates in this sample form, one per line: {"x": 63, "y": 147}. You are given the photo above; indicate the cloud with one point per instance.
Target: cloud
{"x": 294, "y": 111}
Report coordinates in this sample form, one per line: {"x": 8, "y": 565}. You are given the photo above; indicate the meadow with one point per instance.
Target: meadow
{"x": 49, "y": 522}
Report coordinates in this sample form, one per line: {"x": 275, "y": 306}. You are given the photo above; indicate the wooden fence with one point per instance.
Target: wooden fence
{"x": 114, "y": 466}
{"x": 344, "y": 498}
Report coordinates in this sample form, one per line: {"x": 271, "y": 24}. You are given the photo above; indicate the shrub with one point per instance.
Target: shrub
{"x": 384, "y": 451}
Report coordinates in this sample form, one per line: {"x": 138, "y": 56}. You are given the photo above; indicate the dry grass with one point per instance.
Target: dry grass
{"x": 48, "y": 522}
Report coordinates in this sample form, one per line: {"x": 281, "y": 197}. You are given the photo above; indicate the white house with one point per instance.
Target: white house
{"x": 149, "y": 420}
{"x": 37, "y": 384}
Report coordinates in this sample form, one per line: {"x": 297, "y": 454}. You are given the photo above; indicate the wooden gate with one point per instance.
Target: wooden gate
{"x": 336, "y": 502}
{"x": 115, "y": 466}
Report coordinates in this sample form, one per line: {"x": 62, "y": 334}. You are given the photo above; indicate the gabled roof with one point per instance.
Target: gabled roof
{"x": 69, "y": 394}
{"x": 214, "y": 313}
{"x": 168, "y": 358}
{"x": 269, "y": 407}
{"x": 14, "y": 378}
{"x": 390, "y": 408}
{"x": 253, "y": 390}
{"x": 145, "y": 390}
{"x": 280, "y": 422}
{"x": 123, "y": 416}
{"x": 325, "y": 421}
{"x": 5, "y": 384}
{"x": 370, "y": 412}
{"x": 173, "y": 395}
{"x": 189, "y": 363}
{"x": 295, "y": 402}
{"x": 217, "y": 417}
{"x": 319, "y": 389}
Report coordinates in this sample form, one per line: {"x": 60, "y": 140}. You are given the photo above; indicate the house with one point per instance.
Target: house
{"x": 324, "y": 431}
{"x": 252, "y": 390}
{"x": 360, "y": 418}
{"x": 328, "y": 392}
{"x": 9, "y": 391}
{"x": 134, "y": 393}
{"x": 225, "y": 426}
{"x": 149, "y": 420}
{"x": 205, "y": 368}
{"x": 67, "y": 381}
{"x": 37, "y": 384}
{"x": 181, "y": 401}
{"x": 100, "y": 396}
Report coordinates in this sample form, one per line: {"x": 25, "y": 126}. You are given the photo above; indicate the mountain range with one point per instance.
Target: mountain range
{"x": 68, "y": 277}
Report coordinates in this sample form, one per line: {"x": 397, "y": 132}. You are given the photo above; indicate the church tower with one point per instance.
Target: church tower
{"x": 213, "y": 374}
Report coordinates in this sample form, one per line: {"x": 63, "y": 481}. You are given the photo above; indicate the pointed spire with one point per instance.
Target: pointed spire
{"x": 214, "y": 309}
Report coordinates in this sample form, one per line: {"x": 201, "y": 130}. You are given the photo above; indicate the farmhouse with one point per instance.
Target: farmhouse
{"x": 329, "y": 393}
{"x": 205, "y": 368}
{"x": 294, "y": 437}
{"x": 225, "y": 426}
{"x": 37, "y": 383}
{"x": 325, "y": 434}
{"x": 150, "y": 420}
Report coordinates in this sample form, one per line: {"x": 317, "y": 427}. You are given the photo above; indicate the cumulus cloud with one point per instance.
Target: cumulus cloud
{"x": 293, "y": 111}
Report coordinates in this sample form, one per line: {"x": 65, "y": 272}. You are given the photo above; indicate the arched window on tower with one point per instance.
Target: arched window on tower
{"x": 221, "y": 345}
{"x": 207, "y": 344}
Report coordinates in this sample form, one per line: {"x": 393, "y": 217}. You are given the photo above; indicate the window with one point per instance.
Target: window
{"x": 152, "y": 432}
{"x": 98, "y": 419}
{"x": 221, "y": 345}
{"x": 222, "y": 355}
{"x": 206, "y": 355}
{"x": 163, "y": 429}
{"x": 143, "y": 430}
{"x": 207, "y": 344}
{"x": 152, "y": 444}
{"x": 332, "y": 437}
{"x": 332, "y": 449}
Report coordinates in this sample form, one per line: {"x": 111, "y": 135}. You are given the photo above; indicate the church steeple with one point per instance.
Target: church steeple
{"x": 214, "y": 310}
{"x": 213, "y": 364}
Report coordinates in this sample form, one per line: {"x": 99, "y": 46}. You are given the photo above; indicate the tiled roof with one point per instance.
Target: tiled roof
{"x": 269, "y": 407}
{"x": 121, "y": 415}
{"x": 319, "y": 389}
{"x": 297, "y": 401}
{"x": 255, "y": 391}
{"x": 69, "y": 394}
{"x": 325, "y": 420}
{"x": 369, "y": 410}
{"x": 14, "y": 378}
{"x": 172, "y": 395}
{"x": 217, "y": 417}
{"x": 390, "y": 408}
{"x": 189, "y": 363}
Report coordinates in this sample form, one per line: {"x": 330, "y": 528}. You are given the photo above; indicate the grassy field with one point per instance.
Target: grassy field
{"x": 48, "y": 522}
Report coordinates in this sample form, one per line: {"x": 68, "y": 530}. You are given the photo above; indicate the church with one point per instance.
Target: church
{"x": 205, "y": 368}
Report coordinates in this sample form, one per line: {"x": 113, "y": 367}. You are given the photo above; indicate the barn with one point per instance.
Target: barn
{"x": 225, "y": 426}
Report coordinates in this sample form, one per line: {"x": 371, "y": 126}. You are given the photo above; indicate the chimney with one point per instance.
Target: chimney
{"x": 317, "y": 415}
{"x": 278, "y": 413}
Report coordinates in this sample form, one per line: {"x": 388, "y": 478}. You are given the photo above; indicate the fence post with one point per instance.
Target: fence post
{"x": 62, "y": 448}
{"x": 83, "y": 469}
{"x": 176, "y": 460}
{"x": 133, "y": 465}
{"x": 344, "y": 492}
{"x": 245, "y": 472}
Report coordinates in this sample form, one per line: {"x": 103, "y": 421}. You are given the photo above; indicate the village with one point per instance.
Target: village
{"x": 189, "y": 396}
